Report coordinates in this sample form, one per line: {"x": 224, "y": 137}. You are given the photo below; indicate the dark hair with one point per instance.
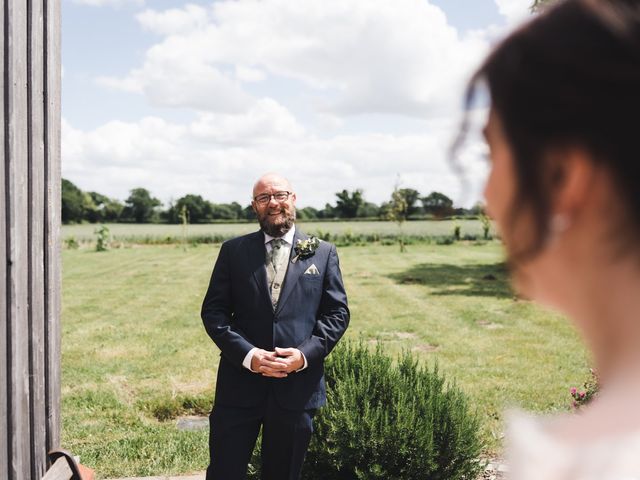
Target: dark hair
{"x": 570, "y": 77}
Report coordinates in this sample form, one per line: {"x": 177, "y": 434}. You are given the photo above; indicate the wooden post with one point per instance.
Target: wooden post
{"x": 29, "y": 237}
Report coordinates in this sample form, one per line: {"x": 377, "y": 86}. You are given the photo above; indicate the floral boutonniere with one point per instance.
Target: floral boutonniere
{"x": 306, "y": 248}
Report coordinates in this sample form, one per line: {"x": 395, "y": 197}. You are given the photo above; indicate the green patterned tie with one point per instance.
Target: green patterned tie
{"x": 277, "y": 253}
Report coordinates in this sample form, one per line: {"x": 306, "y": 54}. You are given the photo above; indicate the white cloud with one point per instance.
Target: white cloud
{"x": 370, "y": 55}
{"x": 171, "y": 78}
{"x": 248, "y": 74}
{"x": 514, "y": 10}
{"x": 174, "y": 21}
{"x": 110, "y": 3}
{"x": 220, "y": 158}
{"x": 265, "y": 120}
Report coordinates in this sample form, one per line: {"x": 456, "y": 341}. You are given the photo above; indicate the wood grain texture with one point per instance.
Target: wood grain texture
{"x": 29, "y": 237}
{"x": 4, "y": 405}
{"x": 17, "y": 239}
{"x": 36, "y": 238}
{"x": 53, "y": 210}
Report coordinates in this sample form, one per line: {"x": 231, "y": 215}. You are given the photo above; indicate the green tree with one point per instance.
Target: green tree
{"x": 248, "y": 213}
{"x": 76, "y": 204}
{"x": 237, "y": 209}
{"x": 112, "y": 210}
{"x": 328, "y": 212}
{"x": 106, "y": 209}
{"x": 437, "y": 204}
{"x": 348, "y": 203}
{"x": 368, "y": 210}
{"x": 477, "y": 209}
{"x": 224, "y": 211}
{"x": 307, "y": 213}
{"x": 140, "y": 206}
{"x": 411, "y": 197}
{"x": 198, "y": 210}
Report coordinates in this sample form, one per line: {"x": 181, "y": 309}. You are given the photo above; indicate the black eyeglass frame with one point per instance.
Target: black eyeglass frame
{"x": 265, "y": 198}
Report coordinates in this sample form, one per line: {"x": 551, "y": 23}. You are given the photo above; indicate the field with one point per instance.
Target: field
{"x": 135, "y": 353}
{"x": 156, "y": 233}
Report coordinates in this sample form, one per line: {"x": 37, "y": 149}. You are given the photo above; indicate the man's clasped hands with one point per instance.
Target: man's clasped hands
{"x": 277, "y": 364}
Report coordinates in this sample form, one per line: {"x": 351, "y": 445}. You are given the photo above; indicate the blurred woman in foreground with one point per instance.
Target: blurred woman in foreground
{"x": 564, "y": 190}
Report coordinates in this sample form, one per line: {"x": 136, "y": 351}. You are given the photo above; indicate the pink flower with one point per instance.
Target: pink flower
{"x": 573, "y": 390}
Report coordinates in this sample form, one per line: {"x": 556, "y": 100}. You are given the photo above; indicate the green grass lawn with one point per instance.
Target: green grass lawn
{"x": 134, "y": 349}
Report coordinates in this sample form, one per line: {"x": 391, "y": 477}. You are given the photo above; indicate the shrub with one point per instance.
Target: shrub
{"x": 165, "y": 409}
{"x": 390, "y": 421}
{"x": 102, "y": 238}
{"x": 486, "y": 225}
{"x": 71, "y": 243}
{"x": 456, "y": 231}
{"x": 445, "y": 241}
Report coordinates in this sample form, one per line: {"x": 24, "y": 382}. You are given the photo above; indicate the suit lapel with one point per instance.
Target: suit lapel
{"x": 257, "y": 260}
{"x": 294, "y": 270}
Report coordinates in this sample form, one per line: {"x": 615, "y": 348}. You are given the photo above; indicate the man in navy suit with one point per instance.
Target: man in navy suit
{"x": 275, "y": 307}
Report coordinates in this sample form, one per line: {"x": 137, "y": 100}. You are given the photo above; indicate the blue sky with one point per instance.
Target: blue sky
{"x": 203, "y": 97}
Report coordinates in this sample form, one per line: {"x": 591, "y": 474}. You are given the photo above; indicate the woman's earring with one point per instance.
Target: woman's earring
{"x": 559, "y": 223}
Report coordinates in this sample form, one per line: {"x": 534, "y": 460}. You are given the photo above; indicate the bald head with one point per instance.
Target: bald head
{"x": 271, "y": 182}
{"x": 274, "y": 204}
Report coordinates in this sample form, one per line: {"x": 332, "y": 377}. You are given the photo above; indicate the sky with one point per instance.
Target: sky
{"x": 203, "y": 97}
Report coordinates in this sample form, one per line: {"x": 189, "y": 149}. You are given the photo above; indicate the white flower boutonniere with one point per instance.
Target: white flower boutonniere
{"x": 306, "y": 248}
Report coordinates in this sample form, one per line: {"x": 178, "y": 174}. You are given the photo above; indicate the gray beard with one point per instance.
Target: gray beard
{"x": 277, "y": 230}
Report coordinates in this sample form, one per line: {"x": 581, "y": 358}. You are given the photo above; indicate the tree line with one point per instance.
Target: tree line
{"x": 142, "y": 207}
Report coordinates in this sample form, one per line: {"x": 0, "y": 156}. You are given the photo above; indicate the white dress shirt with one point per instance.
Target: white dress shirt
{"x": 288, "y": 238}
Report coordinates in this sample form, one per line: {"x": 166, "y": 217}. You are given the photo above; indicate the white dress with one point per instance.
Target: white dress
{"x": 534, "y": 454}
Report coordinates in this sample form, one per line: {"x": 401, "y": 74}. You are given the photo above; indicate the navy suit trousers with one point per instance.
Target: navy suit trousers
{"x": 233, "y": 433}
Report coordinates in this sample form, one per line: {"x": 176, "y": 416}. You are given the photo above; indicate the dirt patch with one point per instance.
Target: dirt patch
{"x": 362, "y": 275}
{"x": 399, "y": 335}
{"x": 121, "y": 385}
{"x": 192, "y": 423}
{"x": 489, "y": 325}
{"x": 426, "y": 347}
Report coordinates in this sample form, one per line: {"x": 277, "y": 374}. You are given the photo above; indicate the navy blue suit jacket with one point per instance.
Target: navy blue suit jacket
{"x": 312, "y": 315}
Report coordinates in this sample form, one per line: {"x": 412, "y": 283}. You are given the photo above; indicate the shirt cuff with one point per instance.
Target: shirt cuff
{"x": 246, "y": 363}
{"x": 305, "y": 363}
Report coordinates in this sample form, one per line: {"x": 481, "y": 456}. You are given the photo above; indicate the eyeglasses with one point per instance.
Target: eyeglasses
{"x": 265, "y": 198}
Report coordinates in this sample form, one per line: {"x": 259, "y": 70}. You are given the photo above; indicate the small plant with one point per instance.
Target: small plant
{"x": 102, "y": 238}
{"x": 456, "y": 232}
{"x": 184, "y": 219}
{"x": 71, "y": 243}
{"x": 486, "y": 225}
{"x": 582, "y": 397}
{"x": 397, "y": 211}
